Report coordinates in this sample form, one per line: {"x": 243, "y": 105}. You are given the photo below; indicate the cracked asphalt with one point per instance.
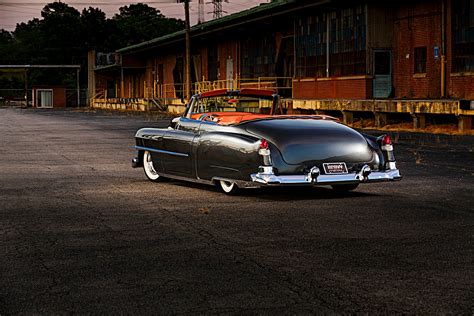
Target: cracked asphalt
{"x": 83, "y": 232}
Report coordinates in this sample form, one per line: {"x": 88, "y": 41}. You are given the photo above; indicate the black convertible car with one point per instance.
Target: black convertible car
{"x": 242, "y": 139}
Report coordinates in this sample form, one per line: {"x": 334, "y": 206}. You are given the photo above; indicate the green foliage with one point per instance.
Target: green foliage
{"x": 64, "y": 35}
{"x": 139, "y": 22}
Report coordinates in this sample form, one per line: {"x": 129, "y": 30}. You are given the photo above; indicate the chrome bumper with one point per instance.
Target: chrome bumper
{"x": 267, "y": 177}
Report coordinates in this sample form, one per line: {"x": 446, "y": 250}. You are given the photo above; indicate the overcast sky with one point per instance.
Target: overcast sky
{"x": 16, "y": 11}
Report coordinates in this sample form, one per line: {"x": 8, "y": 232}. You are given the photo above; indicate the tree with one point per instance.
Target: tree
{"x": 61, "y": 30}
{"x": 6, "y": 45}
{"x": 94, "y": 28}
{"x": 63, "y": 35}
{"x": 139, "y": 22}
{"x": 28, "y": 42}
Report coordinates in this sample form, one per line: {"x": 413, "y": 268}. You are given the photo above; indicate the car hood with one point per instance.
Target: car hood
{"x": 303, "y": 141}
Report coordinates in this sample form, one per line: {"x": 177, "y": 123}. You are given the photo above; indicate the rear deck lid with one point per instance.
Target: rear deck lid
{"x": 306, "y": 141}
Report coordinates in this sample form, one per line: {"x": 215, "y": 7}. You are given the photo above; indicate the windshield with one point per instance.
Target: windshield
{"x": 248, "y": 100}
{"x": 232, "y": 104}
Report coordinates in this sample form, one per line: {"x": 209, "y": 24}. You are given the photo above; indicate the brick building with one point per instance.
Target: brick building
{"x": 316, "y": 53}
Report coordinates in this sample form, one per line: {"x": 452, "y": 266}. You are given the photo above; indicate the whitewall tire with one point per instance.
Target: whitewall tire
{"x": 149, "y": 168}
{"x": 228, "y": 187}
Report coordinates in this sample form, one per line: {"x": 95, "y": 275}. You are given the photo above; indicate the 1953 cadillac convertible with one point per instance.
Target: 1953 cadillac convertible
{"x": 241, "y": 139}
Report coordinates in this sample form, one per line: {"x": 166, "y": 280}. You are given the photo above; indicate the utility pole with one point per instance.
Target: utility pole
{"x": 188, "y": 50}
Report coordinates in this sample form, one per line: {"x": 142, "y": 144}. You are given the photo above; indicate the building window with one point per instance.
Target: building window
{"x": 310, "y": 44}
{"x": 212, "y": 63}
{"x": 463, "y": 36}
{"x": 258, "y": 57}
{"x": 347, "y": 43}
{"x": 420, "y": 60}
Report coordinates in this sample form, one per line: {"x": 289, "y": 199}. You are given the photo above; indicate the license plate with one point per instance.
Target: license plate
{"x": 335, "y": 168}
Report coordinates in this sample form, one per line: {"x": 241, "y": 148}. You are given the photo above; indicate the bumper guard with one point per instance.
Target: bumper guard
{"x": 314, "y": 177}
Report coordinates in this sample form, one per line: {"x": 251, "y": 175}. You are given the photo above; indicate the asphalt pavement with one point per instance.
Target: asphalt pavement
{"x": 82, "y": 232}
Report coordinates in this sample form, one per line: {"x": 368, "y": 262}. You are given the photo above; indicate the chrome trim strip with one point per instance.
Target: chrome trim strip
{"x": 225, "y": 168}
{"x": 324, "y": 179}
{"x": 161, "y": 151}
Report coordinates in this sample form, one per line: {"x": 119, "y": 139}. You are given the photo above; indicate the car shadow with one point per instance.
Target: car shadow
{"x": 302, "y": 193}
{"x": 281, "y": 193}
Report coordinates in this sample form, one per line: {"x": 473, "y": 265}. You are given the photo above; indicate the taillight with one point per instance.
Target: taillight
{"x": 387, "y": 150}
{"x": 265, "y": 152}
{"x": 386, "y": 140}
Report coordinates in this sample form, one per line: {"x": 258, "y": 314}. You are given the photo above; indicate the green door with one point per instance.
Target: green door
{"x": 382, "y": 83}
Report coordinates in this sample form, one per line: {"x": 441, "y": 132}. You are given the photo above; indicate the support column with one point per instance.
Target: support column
{"x": 91, "y": 91}
{"x": 380, "y": 119}
{"x": 348, "y": 117}
{"x": 26, "y": 89}
{"x": 464, "y": 123}
{"x": 78, "y": 87}
{"x": 419, "y": 121}
{"x": 289, "y": 107}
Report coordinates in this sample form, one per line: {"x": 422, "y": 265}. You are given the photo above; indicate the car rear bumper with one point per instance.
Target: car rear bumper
{"x": 267, "y": 177}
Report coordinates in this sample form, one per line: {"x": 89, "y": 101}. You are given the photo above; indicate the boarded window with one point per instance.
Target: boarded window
{"x": 347, "y": 43}
{"x": 463, "y": 36}
{"x": 420, "y": 60}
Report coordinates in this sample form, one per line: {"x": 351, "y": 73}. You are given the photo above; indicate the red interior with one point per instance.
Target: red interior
{"x": 230, "y": 118}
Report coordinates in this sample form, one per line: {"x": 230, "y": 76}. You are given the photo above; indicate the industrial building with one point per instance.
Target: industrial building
{"x": 387, "y": 59}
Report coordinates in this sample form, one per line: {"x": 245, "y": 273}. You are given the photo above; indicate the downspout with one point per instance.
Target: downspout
{"x": 443, "y": 49}
{"x": 328, "y": 28}
{"x": 294, "y": 61}
{"x": 294, "y": 48}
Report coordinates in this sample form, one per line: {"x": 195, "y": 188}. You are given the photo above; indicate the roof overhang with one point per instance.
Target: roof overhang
{"x": 259, "y": 13}
{"x": 38, "y": 66}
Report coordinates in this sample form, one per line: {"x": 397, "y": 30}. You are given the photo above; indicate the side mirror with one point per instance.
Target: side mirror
{"x": 174, "y": 123}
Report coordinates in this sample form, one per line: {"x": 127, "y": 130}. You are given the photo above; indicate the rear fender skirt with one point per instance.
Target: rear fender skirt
{"x": 240, "y": 183}
{"x": 227, "y": 155}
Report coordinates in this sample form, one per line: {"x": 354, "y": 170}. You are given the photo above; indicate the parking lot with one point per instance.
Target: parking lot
{"x": 81, "y": 231}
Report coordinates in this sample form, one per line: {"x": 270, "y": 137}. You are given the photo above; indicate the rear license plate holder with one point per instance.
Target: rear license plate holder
{"x": 335, "y": 168}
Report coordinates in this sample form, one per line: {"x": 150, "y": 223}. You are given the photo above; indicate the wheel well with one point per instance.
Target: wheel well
{"x": 140, "y": 156}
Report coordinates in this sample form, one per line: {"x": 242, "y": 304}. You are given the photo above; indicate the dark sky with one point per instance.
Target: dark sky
{"x": 16, "y": 11}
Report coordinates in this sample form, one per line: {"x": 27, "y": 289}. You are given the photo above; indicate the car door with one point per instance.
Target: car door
{"x": 178, "y": 146}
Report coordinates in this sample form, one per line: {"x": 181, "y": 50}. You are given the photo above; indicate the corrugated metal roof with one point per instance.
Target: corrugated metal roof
{"x": 259, "y": 12}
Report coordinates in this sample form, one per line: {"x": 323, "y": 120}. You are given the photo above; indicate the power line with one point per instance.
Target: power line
{"x": 84, "y": 3}
{"x": 217, "y": 13}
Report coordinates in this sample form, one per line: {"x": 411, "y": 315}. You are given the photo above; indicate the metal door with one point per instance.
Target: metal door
{"x": 178, "y": 144}
{"x": 382, "y": 84}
